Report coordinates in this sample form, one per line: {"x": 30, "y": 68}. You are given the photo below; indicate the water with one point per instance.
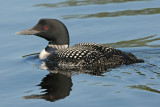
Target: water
{"x": 129, "y": 25}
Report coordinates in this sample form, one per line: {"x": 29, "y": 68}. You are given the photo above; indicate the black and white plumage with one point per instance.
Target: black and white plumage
{"x": 90, "y": 54}
{"x": 58, "y": 53}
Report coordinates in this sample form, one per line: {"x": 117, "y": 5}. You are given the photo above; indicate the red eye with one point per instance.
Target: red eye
{"x": 46, "y": 27}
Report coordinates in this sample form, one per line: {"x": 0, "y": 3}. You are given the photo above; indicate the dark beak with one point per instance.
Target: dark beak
{"x": 28, "y": 32}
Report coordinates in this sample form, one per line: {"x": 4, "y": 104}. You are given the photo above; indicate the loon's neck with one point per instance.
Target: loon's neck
{"x": 50, "y": 49}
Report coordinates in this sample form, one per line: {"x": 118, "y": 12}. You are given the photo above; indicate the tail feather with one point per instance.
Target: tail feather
{"x": 134, "y": 58}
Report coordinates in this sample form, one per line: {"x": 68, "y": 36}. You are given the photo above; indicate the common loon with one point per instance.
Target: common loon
{"x": 58, "y": 53}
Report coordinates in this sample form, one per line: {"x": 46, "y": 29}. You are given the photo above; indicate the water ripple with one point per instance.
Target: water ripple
{"x": 144, "y": 87}
{"x": 146, "y": 11}
{"x": 140, "y": 42}
{"x": 70, "y": 3}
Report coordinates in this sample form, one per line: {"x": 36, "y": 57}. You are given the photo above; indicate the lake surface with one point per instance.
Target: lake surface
{"x": 129, "y": 25}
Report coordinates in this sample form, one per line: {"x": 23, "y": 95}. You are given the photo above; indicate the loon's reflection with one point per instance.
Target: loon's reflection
{"x": 57, "y": 86}
{"x": 58, "y": 83}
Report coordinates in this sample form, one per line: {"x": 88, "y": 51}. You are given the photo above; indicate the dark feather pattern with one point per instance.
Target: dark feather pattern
{"x": 90, "y": 54}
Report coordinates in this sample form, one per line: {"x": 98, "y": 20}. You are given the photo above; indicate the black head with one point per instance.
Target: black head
{"x": 51, "y": 29}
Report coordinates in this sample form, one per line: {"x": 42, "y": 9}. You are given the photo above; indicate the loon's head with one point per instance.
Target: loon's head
{"x": 50, "y": 29}
{"x": 53, "y": 31}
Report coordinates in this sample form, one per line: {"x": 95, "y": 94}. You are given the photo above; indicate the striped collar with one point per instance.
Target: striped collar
{"x": 50, "y": 49}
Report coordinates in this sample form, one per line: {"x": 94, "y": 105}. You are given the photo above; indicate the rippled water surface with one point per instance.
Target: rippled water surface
{"x": 129, "y": 25}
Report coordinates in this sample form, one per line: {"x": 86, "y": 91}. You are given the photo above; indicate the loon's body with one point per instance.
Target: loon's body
{"x": 58, "y": 52}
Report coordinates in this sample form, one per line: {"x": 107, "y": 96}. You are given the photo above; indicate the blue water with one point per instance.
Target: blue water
{"x": 129, "y": 25}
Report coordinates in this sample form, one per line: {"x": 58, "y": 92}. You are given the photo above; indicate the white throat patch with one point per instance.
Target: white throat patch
{"x": 44, "y": 53}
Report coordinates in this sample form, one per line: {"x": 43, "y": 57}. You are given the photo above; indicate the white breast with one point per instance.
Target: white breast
{"x": 43, "y": 54}
{"x": 51, "y": 48}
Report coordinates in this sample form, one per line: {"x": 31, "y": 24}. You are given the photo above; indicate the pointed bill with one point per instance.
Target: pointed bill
{"x": 28, "y": 32}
